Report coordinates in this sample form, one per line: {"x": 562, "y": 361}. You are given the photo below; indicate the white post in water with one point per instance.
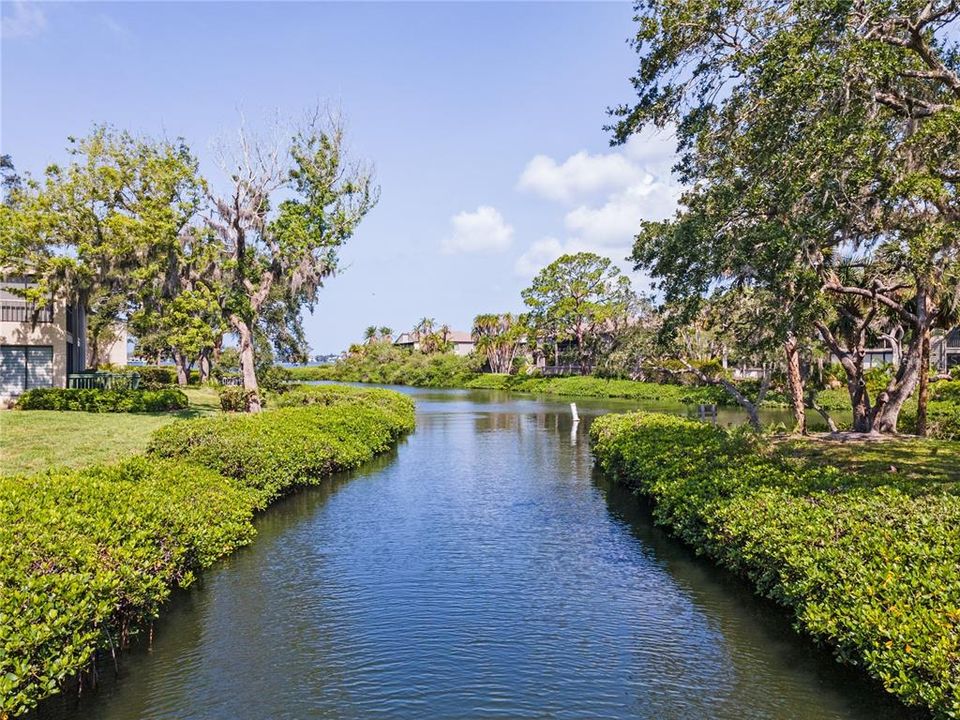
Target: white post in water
{"x": 576, "y": 422}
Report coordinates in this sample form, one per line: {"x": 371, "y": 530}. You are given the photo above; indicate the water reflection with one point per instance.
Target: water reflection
{"x": 482, "y": 570}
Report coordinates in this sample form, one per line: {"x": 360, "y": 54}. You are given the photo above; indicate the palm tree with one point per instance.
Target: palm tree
{"x": 370, "y": 334}
{"x": 386, "y": 333}
{"x": 425, "y": 326}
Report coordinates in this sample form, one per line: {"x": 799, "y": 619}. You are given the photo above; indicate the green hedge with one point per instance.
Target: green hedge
{"x": 289, "y": 446}
{"x": 387, "y": 364}
{"x": 87, "y": 557}
{"x": 396, "y": 407}
{"x": 312, "y": 373}
{"x": 103, "y": 401}
{"x": 588, "y": 386}
{"x": 869, "y": 565}
{"x": 943, "y": 420}
{"x": 945, "y": 391}
{"x": 154, "y": 377}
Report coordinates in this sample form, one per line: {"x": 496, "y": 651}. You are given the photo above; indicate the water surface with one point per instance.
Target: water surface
{"x": 482, "y": 570}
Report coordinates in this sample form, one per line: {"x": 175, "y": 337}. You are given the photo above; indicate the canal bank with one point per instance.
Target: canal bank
{"x": 89, "y": 557}
{"x": 868, "y": 564}
{"x": 484, "y": 569}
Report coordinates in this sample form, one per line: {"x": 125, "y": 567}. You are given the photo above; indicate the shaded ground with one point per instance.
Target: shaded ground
{"x": 34, "y": 440}
{"x": 901, "y": 460}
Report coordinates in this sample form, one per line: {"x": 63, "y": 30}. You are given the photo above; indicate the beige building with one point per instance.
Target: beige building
{"x": 38, "y": 347}
{"x": 461, "y": 342}
{"x": 111, "y": 347}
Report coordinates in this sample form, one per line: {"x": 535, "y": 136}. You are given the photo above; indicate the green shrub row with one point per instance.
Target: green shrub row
{"x": 87, "y": 557}
{"x": 869, "y": 565}
{"x": 311, "y": 373}
{"x": 289, "y": 446}
{"x": 945, "y": 391}
{"x": 587, "y": 386}
{"x": 103, "y": 401}
{"x": 943, "y": 420}
{"x": 154, "y": 377}
{"x": 387, "y": 364}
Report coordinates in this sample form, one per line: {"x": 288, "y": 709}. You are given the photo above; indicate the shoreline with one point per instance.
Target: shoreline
{"x": 864, "y": 563}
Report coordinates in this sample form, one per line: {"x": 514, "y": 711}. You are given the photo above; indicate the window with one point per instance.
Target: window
{"x": 25, "y": 367}
{"x": 22, "y": 312}
{"x": 14, "y": 308}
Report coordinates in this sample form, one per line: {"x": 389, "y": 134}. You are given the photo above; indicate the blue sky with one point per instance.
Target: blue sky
{"x": 484, "y": 122}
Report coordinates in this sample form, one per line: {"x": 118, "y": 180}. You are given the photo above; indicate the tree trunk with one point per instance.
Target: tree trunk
{"x": 851, "y": 358}
{"x": 860, "y": 401}
{"x": 93, "y": 351}
{"x": 183, "y": 368}
{"x": 889, "y": 405}
{"x": 795, "y": 383}
{"x": 812, "y": 402}
{"x": 914, "y": 368}
{"x": 581, "y": 352}
{"x": 204, "y": 365}
{"x": 247, "y": 367}
{"x": 752, "y": 409}
{"x": 924, "y": 381}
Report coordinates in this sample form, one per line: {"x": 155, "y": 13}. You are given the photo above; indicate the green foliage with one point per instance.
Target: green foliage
{"x": 395, "y": 407}
{"x": 795, "y": 122}
{"x": 294, "y": 213}
{"x": 229, "y": 360}
{"x": 274, "y": 378}
{"x": 235, "y": 398}
{"x": 389, "y": 365}
{"x": 291, "y": 446}
{"x": 87, "y": 556}
{"x": 870, "y": 565}
{"x": 943, "y": 420}
{"x": 587, "y": 386}
{"x": 500, "y": 337}
{"x": 103, "y": 401}
{"x": 118, "y": 208}
{"x": 945, "y": 391}
{"x": 581, "y": 299}
{"x": 154, "y": 377}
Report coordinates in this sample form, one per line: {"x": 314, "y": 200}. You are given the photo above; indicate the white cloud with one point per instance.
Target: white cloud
{"x": 480, "y": 231}
{"x": 619, "y": 218}
{"x": 539, "y": 255}
{"x": 22, "y": 19}
{"x": 546, "y": 250}
{"x": 611, "y": 194}
{"x": 582, "y": 174}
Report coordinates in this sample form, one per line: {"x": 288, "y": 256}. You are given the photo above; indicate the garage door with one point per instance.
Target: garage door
{"x": 23, "y": 368}
{"x": 13, "y": 370}
{"x": 39, "y": 367}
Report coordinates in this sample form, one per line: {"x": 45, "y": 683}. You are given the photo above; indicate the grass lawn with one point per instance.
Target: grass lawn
{"x": 910, "y": 460}
{"x": 34, "y": 440}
